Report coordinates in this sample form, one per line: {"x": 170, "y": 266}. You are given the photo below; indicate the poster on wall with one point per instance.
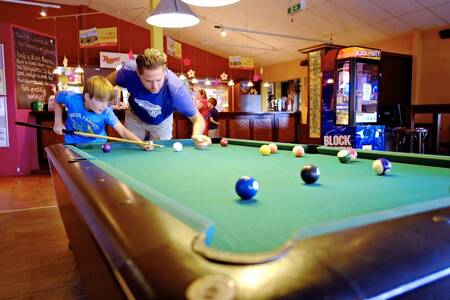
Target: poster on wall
{"x": 174, "y": 48}
{"x": 4, "y": 139}
{"x": 240, "y": 62}
{"x": 98, "y": 37}
{"x": 35, "y": 60}
{"x": 315, "y": 94}
{"x": 111, "y": 60}
{"x": 2, "y": 72}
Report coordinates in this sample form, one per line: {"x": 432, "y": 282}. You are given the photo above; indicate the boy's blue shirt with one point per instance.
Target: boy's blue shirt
{"x": 81, "y": 119}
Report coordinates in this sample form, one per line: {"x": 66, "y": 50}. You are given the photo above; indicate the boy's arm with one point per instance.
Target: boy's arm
{"x": 127, "y": 134}
{"x": 213, "y": 121}
{"x": 59, "y": 124}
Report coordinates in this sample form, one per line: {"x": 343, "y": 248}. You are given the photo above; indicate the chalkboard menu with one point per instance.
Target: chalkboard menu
{"x": 35, "y": 60}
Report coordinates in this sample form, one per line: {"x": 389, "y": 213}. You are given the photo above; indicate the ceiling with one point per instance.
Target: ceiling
{"x": 346, "y": 22}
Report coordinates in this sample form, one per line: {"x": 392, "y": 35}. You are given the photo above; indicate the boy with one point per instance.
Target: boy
{"x": 89, "y": 112}
{"x": 213, "y": 131}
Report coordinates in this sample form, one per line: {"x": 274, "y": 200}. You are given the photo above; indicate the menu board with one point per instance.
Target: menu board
{"x": 35, "y": 60}
{"x": 315, "y": 94}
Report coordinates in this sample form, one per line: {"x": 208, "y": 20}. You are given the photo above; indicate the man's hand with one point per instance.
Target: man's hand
{"x": 58, "y": 128}
{"x": 201, "y": 140}
{"x": 148, "y": 146}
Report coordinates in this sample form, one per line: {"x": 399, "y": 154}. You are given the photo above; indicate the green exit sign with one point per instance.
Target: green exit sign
{"x": 300, "y": 5}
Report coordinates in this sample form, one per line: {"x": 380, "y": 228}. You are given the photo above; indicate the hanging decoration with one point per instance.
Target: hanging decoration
{"x": 186, "y": 61}
{"x": 191, "y": 73}
{"x": 224, "y": 76}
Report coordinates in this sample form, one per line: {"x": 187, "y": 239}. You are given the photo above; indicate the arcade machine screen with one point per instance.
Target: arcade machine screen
{"x": 343, "y": 93}
{"x": 366, "y": 93}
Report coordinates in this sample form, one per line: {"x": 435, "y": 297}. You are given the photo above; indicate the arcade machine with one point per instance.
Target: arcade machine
{"x": 356, "y": 101}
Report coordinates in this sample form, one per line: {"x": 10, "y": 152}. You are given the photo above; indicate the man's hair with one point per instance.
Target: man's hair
{"x": 150, "y": 59}
{"x": 99, "y": 87}
{"x": 213, "y": 101}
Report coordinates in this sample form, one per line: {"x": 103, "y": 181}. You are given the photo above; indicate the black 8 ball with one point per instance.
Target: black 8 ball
{"x": 310, "y": 174}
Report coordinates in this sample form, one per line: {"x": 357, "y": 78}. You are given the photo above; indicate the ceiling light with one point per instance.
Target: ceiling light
{"x": 266, "y": 84}
{"x": 172, "y": 14}
{"x": 182, "y": 77}
{"x": 43, "y": 12}
{"x": 194, "y": 80}
{"x": 231, "y": 82}
{"x": 250, "y": 83}
{"x": 207, "y": 82}
{"x": 223, "y": 33}
{"x": 210, "y": 3}
{"x": 79, "y": 70}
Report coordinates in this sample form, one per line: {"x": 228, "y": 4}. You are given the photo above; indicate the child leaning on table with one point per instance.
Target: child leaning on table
{"x": 90, "y": 112}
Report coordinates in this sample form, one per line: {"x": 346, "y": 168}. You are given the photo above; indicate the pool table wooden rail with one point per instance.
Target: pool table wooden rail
{"x": 127, "y": 247}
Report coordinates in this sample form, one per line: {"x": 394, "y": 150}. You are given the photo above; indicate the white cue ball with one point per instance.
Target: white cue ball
{"x": 177, "y": 146}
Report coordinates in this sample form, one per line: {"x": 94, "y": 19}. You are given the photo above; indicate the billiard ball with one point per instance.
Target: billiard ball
{"x": 344, "y": 156}
{"x": 202, "y": 145}
{"x": 273, "y": 148}
{"x": 177, "y": 146}
{"x": 381, "y": 166}
{"x": 223, "y": 142}
{"x": 310, "y": 174}
{"x": 298, "y": 151}
{"x": 264, "y": 150}
{"x": 353, "y": 154}
{"x": 246, "y": 187}
{"x": 106, "y": 147}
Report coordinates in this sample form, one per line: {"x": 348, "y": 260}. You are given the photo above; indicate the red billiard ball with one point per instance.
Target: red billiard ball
{"x": 106, "y": 147}
{"x": 223, "y": 142}
{"x": 246, "y": 187}
{"x": 310, "y": 174}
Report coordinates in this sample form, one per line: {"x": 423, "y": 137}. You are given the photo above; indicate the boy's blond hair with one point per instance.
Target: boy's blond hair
{"x": 99, "y": 87}
{"x": 150, "y": 59}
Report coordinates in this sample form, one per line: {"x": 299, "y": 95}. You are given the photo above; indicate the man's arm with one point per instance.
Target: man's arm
{"x": 198, "y": 127}
{"x": 112, "y": 78}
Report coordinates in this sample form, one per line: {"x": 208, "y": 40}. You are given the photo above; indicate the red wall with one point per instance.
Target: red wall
{"x": 21, "y": 155}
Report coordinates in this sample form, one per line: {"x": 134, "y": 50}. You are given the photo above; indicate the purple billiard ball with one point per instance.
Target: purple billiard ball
{"x": 246, "y": 187}
{"x": 382, "y": 166}
{"x": 106, "y": 147}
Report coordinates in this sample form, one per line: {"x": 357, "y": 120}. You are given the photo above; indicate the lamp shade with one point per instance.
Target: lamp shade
{"x": 210, "y": 3}
{"x": 172, "y": 14}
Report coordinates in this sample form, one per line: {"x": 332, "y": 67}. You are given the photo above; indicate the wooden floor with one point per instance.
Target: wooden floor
{"x": 35, "y": 261}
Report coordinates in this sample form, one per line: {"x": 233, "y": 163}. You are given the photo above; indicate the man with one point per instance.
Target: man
{"x": 156, "y": 92}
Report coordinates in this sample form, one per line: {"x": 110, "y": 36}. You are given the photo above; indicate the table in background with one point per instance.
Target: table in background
{"x": 138, "y": 222}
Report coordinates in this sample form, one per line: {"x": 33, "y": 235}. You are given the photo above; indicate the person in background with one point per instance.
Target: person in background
{"x": 202, "y": 106}
{"x": 213, "y": 131}
{"x": 155, "y": 93}
{"x": 89, "y": 112}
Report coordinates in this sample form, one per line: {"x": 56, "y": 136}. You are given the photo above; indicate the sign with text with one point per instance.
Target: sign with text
{"x": 2, "y": 71}
{"x": 353, "y": 52}
{"x": 35, "y": 60}
{"x": 315, "y": 94}
{"x": 240, "y": 62}
{"x": 4, "y": 139}
{"x": 174, "y": 48}
{"x": 111, "y": 60}
{"x": 98, "y": 37}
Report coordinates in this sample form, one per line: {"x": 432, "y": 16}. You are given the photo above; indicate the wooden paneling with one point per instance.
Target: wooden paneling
{"x": 239, "y": 128}
{"x": 287, "y": 128}
{"x": 263, "y": 129}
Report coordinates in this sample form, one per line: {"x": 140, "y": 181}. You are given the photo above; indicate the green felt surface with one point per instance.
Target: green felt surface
{"x": 198, "y": 187}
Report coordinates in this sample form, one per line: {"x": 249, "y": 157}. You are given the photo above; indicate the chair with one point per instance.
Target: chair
{"x": 402, "y": 135}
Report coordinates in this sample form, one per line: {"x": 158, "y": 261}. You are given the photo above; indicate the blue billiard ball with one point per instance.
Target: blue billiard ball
{"x": 106, "y": 147}
{"x": 310, "y": 174}
{"x": 381, "y": 166}
{"x": 246, "y": 187}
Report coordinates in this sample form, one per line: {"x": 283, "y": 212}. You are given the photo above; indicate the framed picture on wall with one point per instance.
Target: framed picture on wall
{"x": 4, "y": 138}
{"x": 2, "y": 71}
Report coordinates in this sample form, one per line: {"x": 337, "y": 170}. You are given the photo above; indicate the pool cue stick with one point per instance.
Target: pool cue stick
{"x": 68, "y": 131}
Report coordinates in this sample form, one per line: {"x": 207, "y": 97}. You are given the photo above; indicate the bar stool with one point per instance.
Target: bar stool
{"x": 403, "y": 134}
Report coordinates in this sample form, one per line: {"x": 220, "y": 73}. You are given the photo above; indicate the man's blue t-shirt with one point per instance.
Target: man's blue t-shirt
{"x": 79, "y": 118}
{"x": 155, "y": 108}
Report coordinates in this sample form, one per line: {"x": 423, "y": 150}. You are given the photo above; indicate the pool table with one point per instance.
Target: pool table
{"x": 169, "y": 225}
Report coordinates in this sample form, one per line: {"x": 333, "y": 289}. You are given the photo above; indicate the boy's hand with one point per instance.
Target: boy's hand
{"x": 200, "y": 139}
{"x": 58, "y": 128}
{"x": 148, "y": 146}
{"x": 120, "y": 106}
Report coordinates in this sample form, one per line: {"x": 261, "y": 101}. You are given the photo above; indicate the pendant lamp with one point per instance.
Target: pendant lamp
{"x": 172, "y": 14}
{"x": 210, "y": 3}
